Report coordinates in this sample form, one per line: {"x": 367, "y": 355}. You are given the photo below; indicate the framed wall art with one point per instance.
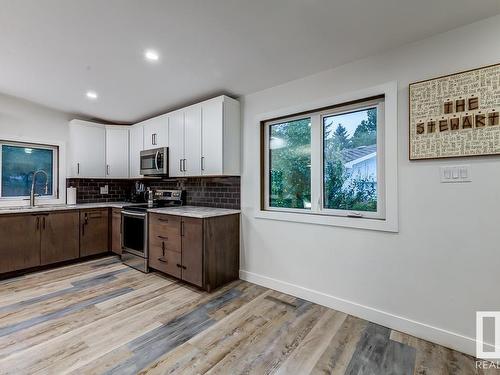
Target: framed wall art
{"x": 455, "y": 115}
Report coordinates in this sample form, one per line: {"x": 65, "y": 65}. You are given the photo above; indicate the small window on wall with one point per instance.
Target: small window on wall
{"x": 328, "y": 162}
{"x": 19, "y": 162}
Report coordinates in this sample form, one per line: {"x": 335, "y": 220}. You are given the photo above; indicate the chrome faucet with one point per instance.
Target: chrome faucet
{"x": 32, "y": 193}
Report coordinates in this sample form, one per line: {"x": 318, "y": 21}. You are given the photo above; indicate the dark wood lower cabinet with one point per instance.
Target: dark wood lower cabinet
{"x": 202, "y": 252}
{"x": 44, "y": 238}
{"x": 19, "y": 242}
{"x": 93, "y": 231}
{"x": 59, "y": 237}
{"x": 192, "y": 250}
{"x": 116, "y": 230}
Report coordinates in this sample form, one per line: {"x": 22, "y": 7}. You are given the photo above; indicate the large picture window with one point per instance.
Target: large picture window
{"x": 328, "y": 161}
{"x": 19, "y": 162}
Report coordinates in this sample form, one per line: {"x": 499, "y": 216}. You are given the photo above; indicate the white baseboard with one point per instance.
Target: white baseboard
{"x": 424, "y": 331}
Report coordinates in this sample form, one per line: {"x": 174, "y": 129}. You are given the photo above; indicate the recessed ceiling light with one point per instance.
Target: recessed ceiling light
{"x": 92, "y": 95}
{"x": 151, "y": 55}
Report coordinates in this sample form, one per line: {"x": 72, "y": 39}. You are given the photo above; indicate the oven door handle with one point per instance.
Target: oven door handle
{"x": 135, "y": 214}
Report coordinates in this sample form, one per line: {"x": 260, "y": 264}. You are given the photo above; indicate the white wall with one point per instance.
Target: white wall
{"x": 443, "y": 265}
{"x": 21, "y": 120}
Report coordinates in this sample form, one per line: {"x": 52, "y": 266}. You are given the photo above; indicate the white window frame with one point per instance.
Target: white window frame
{"x": 47, "y": 199}
{"x": 380, "y": 213}
{"x": 387, "y": 219}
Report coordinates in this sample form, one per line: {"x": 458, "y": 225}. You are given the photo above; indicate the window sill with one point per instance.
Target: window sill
{"x": 386, "y": 225}
{"x": 13, "y": 202}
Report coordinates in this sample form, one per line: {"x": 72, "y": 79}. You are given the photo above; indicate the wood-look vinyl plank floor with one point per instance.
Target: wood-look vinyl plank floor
{"x": 101, "y": 317}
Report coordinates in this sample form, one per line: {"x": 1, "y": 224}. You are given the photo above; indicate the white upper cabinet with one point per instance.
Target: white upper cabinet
{"x": 192, "y": 141}
{"x": 176, "y": 147}
{"x": 156, "y": 132}
{"x": 117, "y": 151}
{"x": 136, "y": 146}
{"x": 205, "y": 139}
{"x": 202, "y": 140}
{"x": 87, "y": 150}
{"x": 212, "y": 130}
{"x": 220, "y": 151}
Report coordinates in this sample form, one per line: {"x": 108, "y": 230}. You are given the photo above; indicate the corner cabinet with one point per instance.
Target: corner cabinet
{"x": 202, "y": 252}
{"x": 94, "y": 231}
{"x": 205, "y": 139}
{"x": 97, "y": 150}
{"x": 136, "y": 145}
{"x": 117, "y": 151}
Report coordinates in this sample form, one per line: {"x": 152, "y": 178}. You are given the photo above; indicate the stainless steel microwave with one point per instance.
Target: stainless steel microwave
{"x": 154, "y": 162}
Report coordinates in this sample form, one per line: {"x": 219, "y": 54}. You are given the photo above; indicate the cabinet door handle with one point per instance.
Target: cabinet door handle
{"x": 184, "y": 267}
{"x": 182, "y": 229}
{"x": 43, "y": 223}
{"x": 163, "y": 248}
{"x": 202, "y": 163}
{"x": 107, "y": 169}
{"x": 185, "y": 165}
{"x": 85, "y": 222}
{"x": 77, "y": 168}
{"x": 178, "y": 265}
{"x": 37, "y": 222}
{"x": 180, "y": 165}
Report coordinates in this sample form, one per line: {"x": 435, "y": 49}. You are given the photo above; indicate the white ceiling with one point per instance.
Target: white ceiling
{"x": 53, "y": 51}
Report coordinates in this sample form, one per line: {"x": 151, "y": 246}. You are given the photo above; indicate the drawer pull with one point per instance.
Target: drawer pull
{"x": 165, "y": 220}
{"x": 163, "y": 237}
{"x": 163, "y": 260}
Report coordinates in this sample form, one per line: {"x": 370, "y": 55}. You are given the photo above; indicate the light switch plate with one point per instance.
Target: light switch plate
{"x": 456, "y": 173}
{"x": 104, "y": 189}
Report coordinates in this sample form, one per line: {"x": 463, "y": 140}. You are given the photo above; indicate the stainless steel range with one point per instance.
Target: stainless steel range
{"x": 135, "y": 226}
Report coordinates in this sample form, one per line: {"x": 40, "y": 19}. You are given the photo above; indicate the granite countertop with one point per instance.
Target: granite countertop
{"x": 190, "y": 211}
{"x": 194, "y": 211}
{"x": 61, "y": 207}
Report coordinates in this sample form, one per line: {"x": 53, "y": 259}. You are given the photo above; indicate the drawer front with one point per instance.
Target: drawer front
{"x": 165, "y": 260}
{"x": 164, "y": 230}
{"x": 167, "y": 223}
{"x": 171, "y": 243}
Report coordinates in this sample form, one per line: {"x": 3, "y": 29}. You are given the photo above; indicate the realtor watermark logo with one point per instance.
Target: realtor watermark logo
{"x": 488, "y": 355}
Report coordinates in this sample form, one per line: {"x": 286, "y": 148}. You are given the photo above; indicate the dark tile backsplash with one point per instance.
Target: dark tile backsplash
{"x": 87, "y": 189}
{"x": 223, "y": 192}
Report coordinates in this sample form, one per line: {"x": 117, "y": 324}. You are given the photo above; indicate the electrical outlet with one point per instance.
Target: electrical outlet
{"x": 104, "y": 189}
{"x": 456, "y": 173}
